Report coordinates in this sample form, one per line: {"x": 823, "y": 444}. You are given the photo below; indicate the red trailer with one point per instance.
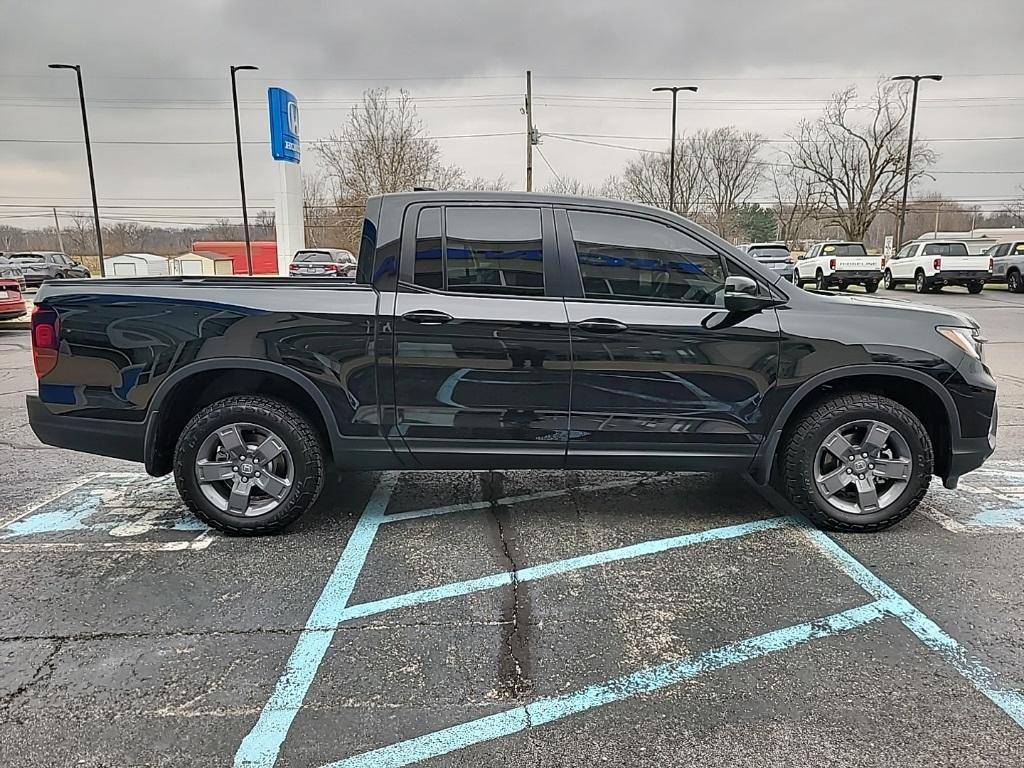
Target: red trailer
{"x": 264, "y": 254}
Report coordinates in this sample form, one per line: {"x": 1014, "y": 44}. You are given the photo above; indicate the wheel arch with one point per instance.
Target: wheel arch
{"x": 916, "y": 391}
{"x": 199, "y": 384}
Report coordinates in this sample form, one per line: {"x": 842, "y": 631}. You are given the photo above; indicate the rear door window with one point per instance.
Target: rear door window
{"x": 493, "y": 250}
{"x": 429, "y": 264}
{"x": 631, "y": 259}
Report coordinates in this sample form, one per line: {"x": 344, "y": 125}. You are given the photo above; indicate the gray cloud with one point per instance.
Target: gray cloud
{"x": 138, "y": 54}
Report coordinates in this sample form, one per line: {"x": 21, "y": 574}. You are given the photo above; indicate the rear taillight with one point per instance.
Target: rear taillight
{"x": 832, "y": 264}
{"x": 937, "y": 264}
{"x": 45, "y": 341}
{"x": 331, "y": 267}
{"x": 293, "y": 267}
{"x": 991, "y": 264}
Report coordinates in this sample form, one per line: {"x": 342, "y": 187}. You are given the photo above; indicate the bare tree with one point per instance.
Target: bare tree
{"x": 569, "y": 185}
{"x": 10, "y": 237}
{"x": 1015, "y": 208}
{"x": 645, "y": 179}
{"x": 858, "y": 164}
{"x": 795, "y": 198}
{"x": 727, "y": 160}
{"x": 482, "y": 184}
{"x": 320, "y": 212}
{"x": 263, "y": 226}
{"x": 382, "y": 148}
{"x": 125, "y": 237}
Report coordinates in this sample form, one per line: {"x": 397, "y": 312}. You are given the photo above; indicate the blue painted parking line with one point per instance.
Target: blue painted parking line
{"x": 927, "y": 631}
{"x": 548, "y": 710}
{"x": 533, "y": 573}
{"x": 263, "y": 743}
{"x": 261, "y": 747}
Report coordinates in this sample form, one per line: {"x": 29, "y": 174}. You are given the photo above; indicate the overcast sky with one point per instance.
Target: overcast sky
{"x": 158, "y": 72}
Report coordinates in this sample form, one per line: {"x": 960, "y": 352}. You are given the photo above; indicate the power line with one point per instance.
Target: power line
{"x": 548, "y": 164}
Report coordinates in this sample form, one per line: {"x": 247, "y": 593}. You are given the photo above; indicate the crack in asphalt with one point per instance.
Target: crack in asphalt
{"x": 515, "y": 637}
{"x": 20, "y": 447}
{"x": 42, "y": 673}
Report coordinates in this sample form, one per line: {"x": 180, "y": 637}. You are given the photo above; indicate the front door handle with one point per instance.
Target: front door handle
{"x": 427, "y": 317}
{"x": 601, "y": 325}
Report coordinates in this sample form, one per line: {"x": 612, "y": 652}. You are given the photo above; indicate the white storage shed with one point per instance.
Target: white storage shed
{"x": 201, "y": 263}
{"x": 136, "y": 265}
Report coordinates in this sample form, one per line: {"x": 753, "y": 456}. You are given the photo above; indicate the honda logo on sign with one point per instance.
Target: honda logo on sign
{"x": 284, "y": 125}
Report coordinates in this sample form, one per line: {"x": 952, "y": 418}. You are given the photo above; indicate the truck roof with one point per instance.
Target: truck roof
{"x": 537, "y": 198}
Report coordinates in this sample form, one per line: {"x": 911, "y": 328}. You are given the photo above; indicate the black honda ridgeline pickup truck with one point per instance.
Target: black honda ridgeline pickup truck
{"x": 502, "y": 331}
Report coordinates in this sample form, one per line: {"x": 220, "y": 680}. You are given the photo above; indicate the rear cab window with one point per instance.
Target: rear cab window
{"x": 487, "y": 250}
{"x": 945, "y": 249}
{"x": 314, "y": 256}
{"x": 846, "y": 249}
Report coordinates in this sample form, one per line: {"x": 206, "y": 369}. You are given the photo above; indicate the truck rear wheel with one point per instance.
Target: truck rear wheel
{"x": 871, "y": 286}
{"x": 856, "y": 462}
{"x": 976, "y": 287}
{"x": 921, "y": 284}
{"x": 1014, "y": 282}
{"x": 248, "y": 465}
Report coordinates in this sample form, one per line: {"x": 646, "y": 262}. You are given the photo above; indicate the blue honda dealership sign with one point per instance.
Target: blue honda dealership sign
{"x": 284, "y": 125}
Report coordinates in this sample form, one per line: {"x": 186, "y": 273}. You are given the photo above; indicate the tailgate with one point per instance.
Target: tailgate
{"x": 859, "y": 263}
{"x": 964, "y": 263}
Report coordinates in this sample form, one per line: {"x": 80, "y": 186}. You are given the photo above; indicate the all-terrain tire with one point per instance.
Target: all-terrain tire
{"x": 810, "y": 429}
{"x": 294, "y": 429}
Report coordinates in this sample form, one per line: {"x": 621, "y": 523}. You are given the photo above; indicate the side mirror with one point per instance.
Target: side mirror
{"x": 743, "y": 295}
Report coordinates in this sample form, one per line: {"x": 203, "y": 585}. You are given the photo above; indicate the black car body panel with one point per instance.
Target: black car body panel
{"x": 531, "y": 369}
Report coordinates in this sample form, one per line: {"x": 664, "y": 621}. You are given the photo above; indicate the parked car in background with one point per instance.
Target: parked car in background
{"x": 40, "y": 266}
{"x": 1008, "y": 264}
{"x": 838, "y": 264}
{"x": 322, "y": 262}
{"x": 932, "y": 264}
{"x": 12, "y": 300}
{"x": 9, "y": 270}
{"x": 775, "y": 256}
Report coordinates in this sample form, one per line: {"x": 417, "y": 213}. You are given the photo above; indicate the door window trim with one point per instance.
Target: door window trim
{"x": 573, "y": 275}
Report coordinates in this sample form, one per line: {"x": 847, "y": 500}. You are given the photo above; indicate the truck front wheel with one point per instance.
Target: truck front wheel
{"x": 249, "y": 465}
{"x": 856, "y": 462}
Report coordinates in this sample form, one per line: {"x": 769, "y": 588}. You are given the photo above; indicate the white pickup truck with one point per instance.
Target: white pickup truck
{"x": 839, "y": 264}
{"x": 931, "y": 264}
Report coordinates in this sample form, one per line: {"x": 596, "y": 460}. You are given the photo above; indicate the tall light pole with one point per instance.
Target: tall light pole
{"x": 241, "y": 169}
{"x": 910, "y": 148}
{"x": 675, "y": 89}
{"x": 88, "y": 156}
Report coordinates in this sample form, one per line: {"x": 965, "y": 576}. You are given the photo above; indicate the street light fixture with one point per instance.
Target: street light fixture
{"x": 916, "y": 79}
{"x": 675, "y": 89}
{"x": 88, "y": 156}
{"x": 241, "y": 169}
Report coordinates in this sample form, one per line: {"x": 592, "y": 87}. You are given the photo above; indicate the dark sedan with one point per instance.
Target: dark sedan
{"x": 40, "y": 266}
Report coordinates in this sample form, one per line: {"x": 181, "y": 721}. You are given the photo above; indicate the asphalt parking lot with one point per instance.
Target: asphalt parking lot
{"x": 519, "y": 618}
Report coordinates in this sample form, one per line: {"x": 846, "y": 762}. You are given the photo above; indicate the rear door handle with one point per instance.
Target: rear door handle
{"x": 427, "y": 317}
{"x": 601, "y": 325}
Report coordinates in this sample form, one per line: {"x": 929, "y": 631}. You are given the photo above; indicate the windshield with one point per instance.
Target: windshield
{"x": 945, "y": 249}
{"x": 769, "y": 252}
{"x": 846, "y": 249}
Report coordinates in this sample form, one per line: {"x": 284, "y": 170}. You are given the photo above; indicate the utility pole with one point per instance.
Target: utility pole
{"x": 530, "y": 138}
{"x": 88, "y": 156}
{"x": 241, "y": 169}
{"x": 675, "y": 89}
{"x": 910, "y": 147}
{"x": 60, "y": 239}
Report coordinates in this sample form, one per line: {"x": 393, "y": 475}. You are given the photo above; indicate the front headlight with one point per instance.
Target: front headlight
{"x": 968, "y": 339}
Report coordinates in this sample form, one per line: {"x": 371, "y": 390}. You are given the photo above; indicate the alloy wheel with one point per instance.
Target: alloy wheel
{"x": 862, "y": 467}
{"x": 244, "y": 469}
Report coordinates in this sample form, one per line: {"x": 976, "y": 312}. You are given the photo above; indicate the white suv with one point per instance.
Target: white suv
{"x": 932, "y": 264}
{"x": 838, "y": 263}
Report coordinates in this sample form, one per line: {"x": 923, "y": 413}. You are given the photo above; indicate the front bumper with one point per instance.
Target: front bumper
{"x": 103, "y": 437}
